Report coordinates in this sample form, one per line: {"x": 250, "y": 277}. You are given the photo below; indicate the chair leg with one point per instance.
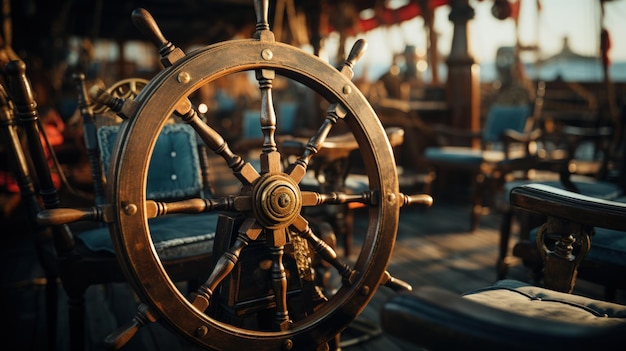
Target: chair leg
{"x": 429, "y": 180}
{"x": 344, "y": 223}
{"x": 337, "y": 221}
{"x": 76, "y": 314}
{"x": 46, "y": 256}
{"x": 502, "y": 266}
{"x": 477, "y": 201}
{"x": 52, "y": 310}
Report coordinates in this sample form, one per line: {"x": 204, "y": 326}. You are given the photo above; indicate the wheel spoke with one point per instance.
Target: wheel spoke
{"x": 369, "y": 198}
{"x": 249, "y": 231}
{"x": 279, "y": 284}
{"x": 244, "y": 171}
{"x": 311, "y": 198}
{"x": 270, "y": 158}
{"x": 302, "y": 229}
{"x": 298, "y": 169}
{"x": 197, "y": 205}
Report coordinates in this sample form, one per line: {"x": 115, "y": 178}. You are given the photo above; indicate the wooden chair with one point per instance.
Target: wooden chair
{"x": 20, "y": 133}
{"x": 596, "y": 176}
{"x": 511, "y": 315}
{"x": 509, "y": 134}
{"x": 86, "y": 256}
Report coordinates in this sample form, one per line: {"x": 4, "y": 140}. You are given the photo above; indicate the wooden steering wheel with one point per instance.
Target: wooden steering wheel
{"x": 270, "y": 200}
{"x": 124, "y": 89}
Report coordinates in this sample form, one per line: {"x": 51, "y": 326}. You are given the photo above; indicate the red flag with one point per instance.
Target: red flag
{"x": 515, "y": 5}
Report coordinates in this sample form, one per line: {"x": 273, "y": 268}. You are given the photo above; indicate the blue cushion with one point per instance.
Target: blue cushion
{"x": 456, "y": 155}
{"x": 608, "y": 245}
{"x": 499, "y": 119}
{"x": 286, "y": 119}
{"x": 225, "y": 103}
{"x": 173, "y": 236}
{"x": 503, "y": 117}
{"x": 174, "y": 170}
{"x": 251, "y": 124}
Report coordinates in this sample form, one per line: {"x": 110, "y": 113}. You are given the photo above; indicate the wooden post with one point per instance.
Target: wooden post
{"x": 463, "y": 84}
{"x": 433, "y": 50}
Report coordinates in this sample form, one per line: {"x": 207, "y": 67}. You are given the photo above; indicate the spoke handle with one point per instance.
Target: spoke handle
{"x": 422, "y": 200}
{"x": 118, "y": 338}
{"x": 143, "y": 20}
{"x": 395, "y": 284}
{"x": 358, "y": 49}
{"x": 58, "y": 216}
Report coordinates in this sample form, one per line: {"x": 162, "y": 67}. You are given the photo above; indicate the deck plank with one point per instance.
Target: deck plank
{"x": 432, "y": 247}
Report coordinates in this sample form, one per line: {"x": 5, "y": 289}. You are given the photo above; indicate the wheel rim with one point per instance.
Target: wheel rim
{"x": 130, "y": 231}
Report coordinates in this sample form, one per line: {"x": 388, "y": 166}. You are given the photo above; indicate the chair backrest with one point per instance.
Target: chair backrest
{"x": 518, "y": 117}
{"x": 503, "y": 117}
{"x": 179, "y": 164}
{"x": 174, "y": 170}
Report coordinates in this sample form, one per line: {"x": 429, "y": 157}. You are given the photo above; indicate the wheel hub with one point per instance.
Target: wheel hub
{"x": 277, "y": 201}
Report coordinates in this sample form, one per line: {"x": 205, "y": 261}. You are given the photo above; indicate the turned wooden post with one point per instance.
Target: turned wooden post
{"x": 463, "y": 84}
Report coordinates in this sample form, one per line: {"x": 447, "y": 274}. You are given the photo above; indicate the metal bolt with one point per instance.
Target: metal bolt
{"x": 130, "y": 209}
{"x": 183, "y": 77}
{"x": 267, "y": 54}
{"x": 202, "y": 331}
{"x": 288, "y": 344}
{"x": 365, "y": 290}
{"x": 391, "y": 198}
{"x": 346, "y": 89}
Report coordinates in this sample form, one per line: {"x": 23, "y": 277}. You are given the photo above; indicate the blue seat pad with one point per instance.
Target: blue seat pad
{"x": 173, "y": 236}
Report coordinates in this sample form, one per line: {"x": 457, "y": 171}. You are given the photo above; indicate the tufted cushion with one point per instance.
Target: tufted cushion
{"x": 174, "y": 170}
{"x": 529, "y": 300}
{"x": 509, "y": 315}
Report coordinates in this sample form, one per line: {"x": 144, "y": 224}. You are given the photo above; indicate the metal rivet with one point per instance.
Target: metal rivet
{"x": 202, "y": 331}
{"x": 183, "y": 77}
{"x": 365, "y": 290}
{"x": 130, "y": 209}
{"x": 391, "y": 198}
{"x": 267, "y": 54}
{"x": 347, "y": 89}
{"x": 288, "y": 344}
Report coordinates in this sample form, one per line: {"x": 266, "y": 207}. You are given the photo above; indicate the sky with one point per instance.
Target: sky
{"x": 579, "y": 20}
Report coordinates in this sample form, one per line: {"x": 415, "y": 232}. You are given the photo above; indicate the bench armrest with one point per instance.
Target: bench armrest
{"x": 563, "y": 204}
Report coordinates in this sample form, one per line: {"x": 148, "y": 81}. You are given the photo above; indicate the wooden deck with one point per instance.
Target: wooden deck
{"x": 433, "y": 248}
